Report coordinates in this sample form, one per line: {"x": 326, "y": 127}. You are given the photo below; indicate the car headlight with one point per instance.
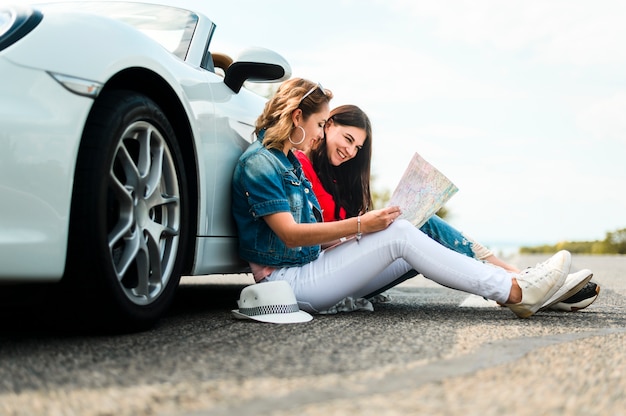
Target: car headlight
{"x": 15, "y": 23}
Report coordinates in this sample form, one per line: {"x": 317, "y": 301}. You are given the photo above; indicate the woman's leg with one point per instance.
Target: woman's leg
{"x": 448, "y": 236}
{"x": 349, "y": 268}
{"x": 373, "y": 289}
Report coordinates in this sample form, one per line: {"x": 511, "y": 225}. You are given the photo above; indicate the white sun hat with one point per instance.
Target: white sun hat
{"x": 270, "y": 302}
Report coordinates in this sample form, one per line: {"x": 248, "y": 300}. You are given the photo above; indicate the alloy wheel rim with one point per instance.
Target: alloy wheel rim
{"x": 143, "y": 213}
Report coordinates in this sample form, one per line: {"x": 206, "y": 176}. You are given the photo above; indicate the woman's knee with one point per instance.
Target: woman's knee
{"x": 405, "y": 229}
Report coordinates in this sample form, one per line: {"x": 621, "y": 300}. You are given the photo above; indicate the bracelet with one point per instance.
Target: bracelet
{"x": 358, "y": 228}
{"x": 343, "y": 239}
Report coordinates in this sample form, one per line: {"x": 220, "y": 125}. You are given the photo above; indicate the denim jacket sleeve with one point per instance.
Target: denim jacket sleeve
{"x": 266, "y": 182}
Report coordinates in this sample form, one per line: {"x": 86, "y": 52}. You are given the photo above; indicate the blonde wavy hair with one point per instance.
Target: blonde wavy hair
{"x": 276, "y": 117}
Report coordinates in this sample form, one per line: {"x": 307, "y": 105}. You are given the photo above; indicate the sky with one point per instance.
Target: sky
{"x": 522, "y": 104}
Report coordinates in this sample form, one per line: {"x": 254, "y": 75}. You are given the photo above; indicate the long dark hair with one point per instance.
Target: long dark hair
{"x": 348, "y": 183}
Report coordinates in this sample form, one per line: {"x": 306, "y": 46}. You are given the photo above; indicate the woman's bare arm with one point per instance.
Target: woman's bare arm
{"x": 298, "y": 235}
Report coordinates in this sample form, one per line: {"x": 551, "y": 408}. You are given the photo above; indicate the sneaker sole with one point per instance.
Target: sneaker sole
{"x": 571, "y": 292}
{"x": 573, "y": 307}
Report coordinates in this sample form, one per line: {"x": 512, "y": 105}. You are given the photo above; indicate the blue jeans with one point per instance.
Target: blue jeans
{"x": 447, "y": 236}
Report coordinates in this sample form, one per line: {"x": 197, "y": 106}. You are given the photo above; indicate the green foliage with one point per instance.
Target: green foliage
{"x": 443, "y": 212}
{"x": 614, "y": 243}
{"x": 380, "y": 198}
{"x": 617, "y": 240}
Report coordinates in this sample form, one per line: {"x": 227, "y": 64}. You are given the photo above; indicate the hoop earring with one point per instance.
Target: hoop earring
{"x": 303, "y": 137}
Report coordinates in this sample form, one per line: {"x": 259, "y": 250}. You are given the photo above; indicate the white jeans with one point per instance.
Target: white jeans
{"x": 357, "y": 268}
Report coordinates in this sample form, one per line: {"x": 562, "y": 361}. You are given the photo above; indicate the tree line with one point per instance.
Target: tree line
{"x": 614, "y": 243}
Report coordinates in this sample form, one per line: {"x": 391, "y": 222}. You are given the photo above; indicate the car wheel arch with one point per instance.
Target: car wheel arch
{"x": 159, "y": 90}
{"x": 127, "y": 218}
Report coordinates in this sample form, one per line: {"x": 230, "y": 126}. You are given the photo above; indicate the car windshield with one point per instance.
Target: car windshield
{"x": 171, "y": 27}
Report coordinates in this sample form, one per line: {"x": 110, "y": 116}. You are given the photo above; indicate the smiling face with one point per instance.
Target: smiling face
{"x": 343, "y": 142}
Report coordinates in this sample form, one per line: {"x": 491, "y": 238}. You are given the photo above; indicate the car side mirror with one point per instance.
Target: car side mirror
{"x": 256, "y": 65}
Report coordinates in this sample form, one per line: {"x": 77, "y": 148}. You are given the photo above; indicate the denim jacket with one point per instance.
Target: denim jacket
{"x": 266, "y": 182}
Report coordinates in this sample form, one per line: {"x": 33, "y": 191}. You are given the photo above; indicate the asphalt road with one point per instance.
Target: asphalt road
{"x": 422, "y": 354}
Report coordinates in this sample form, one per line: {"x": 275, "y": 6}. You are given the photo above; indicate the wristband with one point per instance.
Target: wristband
{"x": 358, "y": 228}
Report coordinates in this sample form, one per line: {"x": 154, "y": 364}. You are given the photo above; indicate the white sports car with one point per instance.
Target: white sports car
{"x": 119, "y": 132}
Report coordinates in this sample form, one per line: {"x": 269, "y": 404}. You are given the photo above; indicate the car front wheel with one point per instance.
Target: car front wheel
{"x": 129, "y": 213}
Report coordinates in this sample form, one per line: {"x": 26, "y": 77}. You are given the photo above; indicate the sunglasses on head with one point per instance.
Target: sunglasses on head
{"x": 312, "y": 90}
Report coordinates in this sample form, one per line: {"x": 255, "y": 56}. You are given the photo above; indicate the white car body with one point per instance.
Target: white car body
{"x": 51, "y": 78}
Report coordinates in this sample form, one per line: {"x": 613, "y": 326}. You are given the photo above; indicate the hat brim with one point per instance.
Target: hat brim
{"x": 277, "y": 318}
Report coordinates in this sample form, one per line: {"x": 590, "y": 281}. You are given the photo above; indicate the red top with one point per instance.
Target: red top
{"x": 327, "y": 203}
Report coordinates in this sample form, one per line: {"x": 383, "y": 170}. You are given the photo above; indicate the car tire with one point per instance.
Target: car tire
{"x": 128, "y": 223}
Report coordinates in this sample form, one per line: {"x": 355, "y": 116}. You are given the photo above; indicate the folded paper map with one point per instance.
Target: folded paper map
{"x": 422, "y": 191}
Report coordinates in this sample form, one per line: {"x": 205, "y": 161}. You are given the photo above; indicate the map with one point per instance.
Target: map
{"x": 422, "y": 191}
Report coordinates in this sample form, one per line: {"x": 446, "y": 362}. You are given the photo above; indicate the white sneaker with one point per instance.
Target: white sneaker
{"x": 573, "y": 284}
{"x": 539, "y": 283}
